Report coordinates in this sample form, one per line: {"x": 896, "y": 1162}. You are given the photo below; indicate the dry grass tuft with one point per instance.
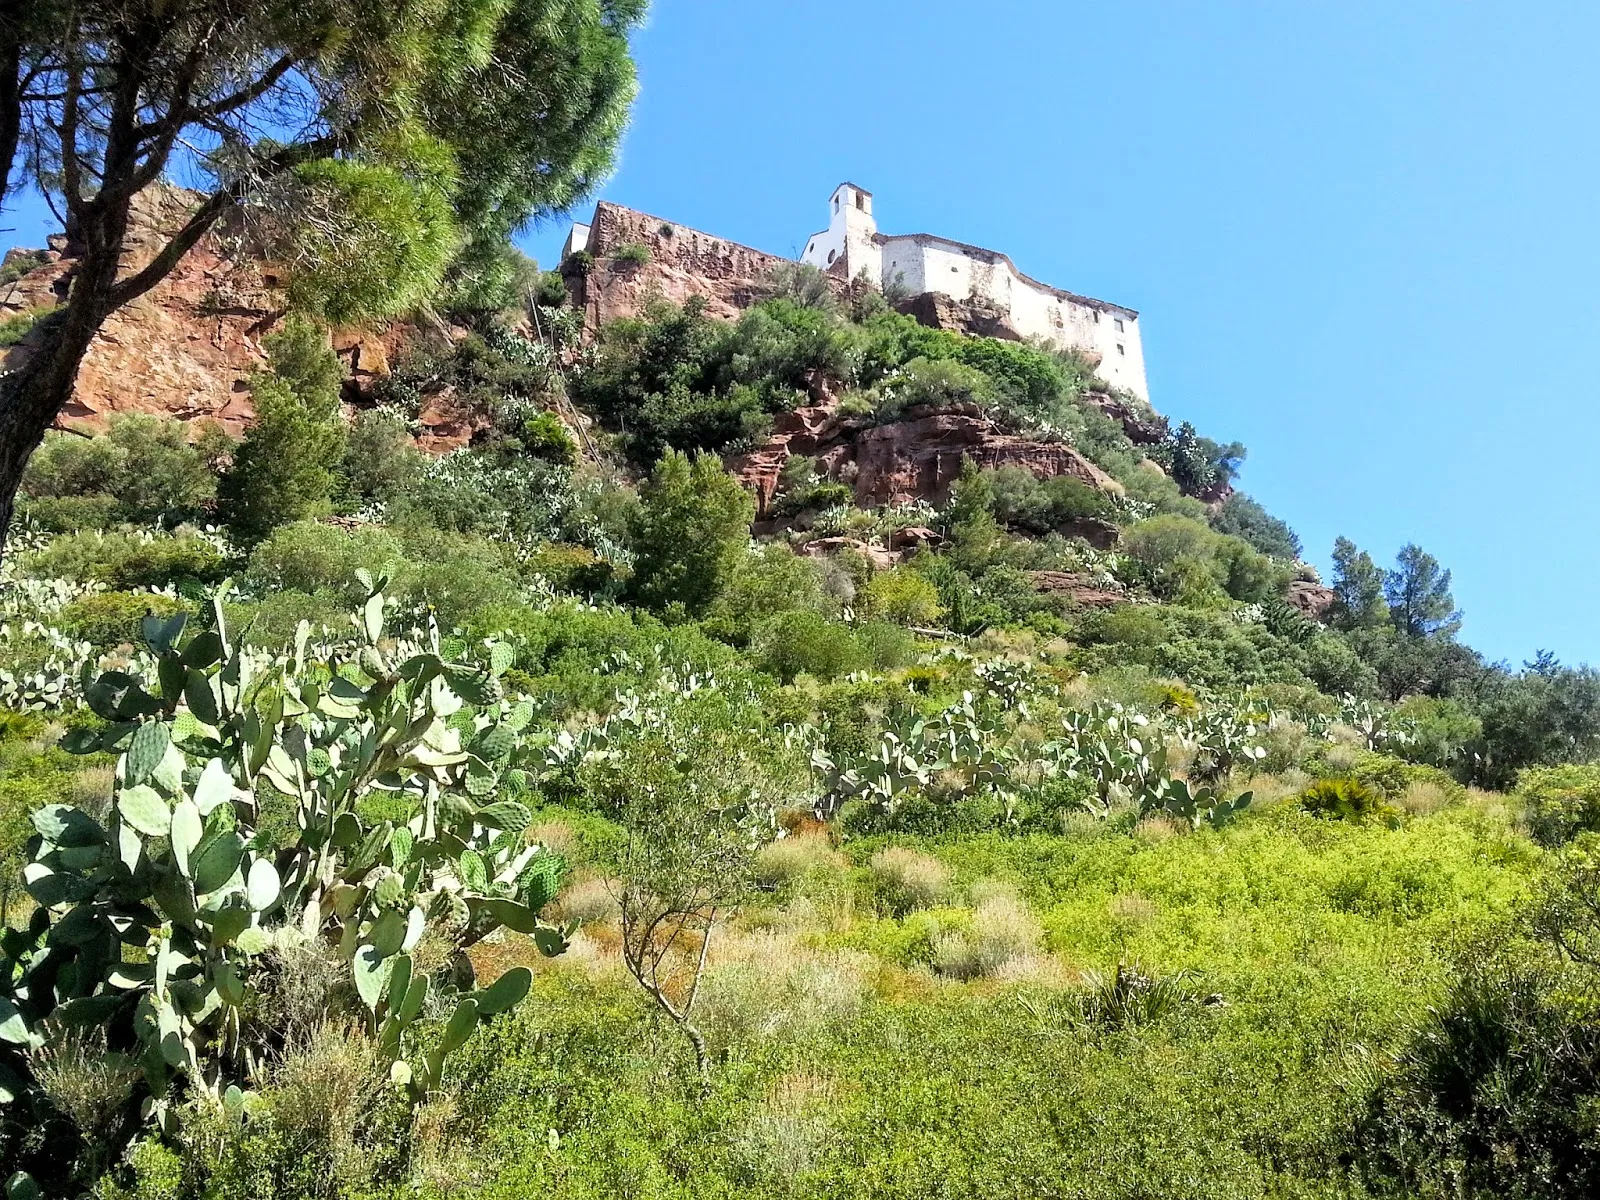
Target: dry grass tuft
{"x": 588, "y": 901}
{"x": 1156, "y": 829}
{"x": 766, "y": 986}
{"x": 1004, "y": 930}
{"x": 908, "y": 879}
{"x": 792, "y": 858}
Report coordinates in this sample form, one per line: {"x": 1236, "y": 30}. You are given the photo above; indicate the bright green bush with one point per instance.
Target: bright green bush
{"x": 1342, "y": 800}
{"x": 1560, "y": 802}
{"x": 307, "y": 556}
{"x": 112, "y": 618}
{"x": 126, "y": 560}
{"x": 902, "y": 596}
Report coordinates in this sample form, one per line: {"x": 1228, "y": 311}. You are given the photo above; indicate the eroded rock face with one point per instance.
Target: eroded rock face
{"x": 1143, "y": 429}
{"x": 977, "y": 317}
{"x": 920, "y": 458}
{"x": 917, "y": 458}
{"x": 1312, "y": 599}
{"x": 184, "y": 349}
{"x": 1082, "y": 590}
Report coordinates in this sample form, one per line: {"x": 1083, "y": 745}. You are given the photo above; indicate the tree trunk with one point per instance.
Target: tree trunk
{"x": 32, "y": 396}
{"x": 10, "y": 99}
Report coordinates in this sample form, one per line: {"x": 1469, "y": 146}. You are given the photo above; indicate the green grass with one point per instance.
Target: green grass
{"x": 1324, "y": 941}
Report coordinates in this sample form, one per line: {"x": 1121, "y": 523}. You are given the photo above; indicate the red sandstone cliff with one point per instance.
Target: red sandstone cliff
{"x": 187, "y": 347}
{"x": 916, "y": 458}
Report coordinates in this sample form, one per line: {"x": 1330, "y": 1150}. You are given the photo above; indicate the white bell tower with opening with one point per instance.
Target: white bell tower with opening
{"x": 852, "y": 234}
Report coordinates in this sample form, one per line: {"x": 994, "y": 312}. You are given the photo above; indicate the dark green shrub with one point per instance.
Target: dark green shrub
{"x": 125, "y": 560}
{"x": 807, "y": 643}
{"x": 632, "y": 254}
{"x": 143, "y": 465}
{"x": 113, "y": 618}
{"x": 543, "y": 435}
{"x": 283, "y": 471}
{"x": 551, "y": 290}
{"x": 308, "y": 556}
{"x": 689, "y": 533}
{"x": 1497, "y": 1094}
{"x": 69, "y": 514}
{"x": 380, "y": 459}
{"x": 1242, "y": 517}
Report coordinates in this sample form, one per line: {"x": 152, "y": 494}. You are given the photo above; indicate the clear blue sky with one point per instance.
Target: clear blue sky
{"x": 1362, "y": 236}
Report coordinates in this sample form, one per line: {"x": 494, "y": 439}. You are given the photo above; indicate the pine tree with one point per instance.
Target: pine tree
{"x": 283, "y": 471}
{"x": 689, "y": 532}
{"x": 1358, "y": 584}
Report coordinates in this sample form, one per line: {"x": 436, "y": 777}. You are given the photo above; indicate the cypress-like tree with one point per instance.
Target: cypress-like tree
{"x": 284, "y": 470}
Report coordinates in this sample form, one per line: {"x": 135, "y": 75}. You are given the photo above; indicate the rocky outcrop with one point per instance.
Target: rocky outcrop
{"x": 916, "y": 458}
{"x": 919, "y": 458}
{"x": 981, "y": 318}
{"x": 1102, "y": 535}
{"x": 1142, "y": 426}
{"x": 659, "y": 258}
{"x": 827, "y": 547}
{"x": 1312, "y": 599}
{"x": 184, "y": 349}
{"x": 1081, "y": 590}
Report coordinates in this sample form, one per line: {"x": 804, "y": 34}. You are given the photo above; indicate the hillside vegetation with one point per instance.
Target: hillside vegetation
{"x": 514, "y": 823}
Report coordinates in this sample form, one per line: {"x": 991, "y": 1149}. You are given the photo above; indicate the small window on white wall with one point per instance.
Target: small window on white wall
{"x": 832, "y": 254}
{"x": 836, "y": 204}
{"x": 1119, "y": 324}
{"x": 861, "y": 201}
{"x": 1120, "y": 350}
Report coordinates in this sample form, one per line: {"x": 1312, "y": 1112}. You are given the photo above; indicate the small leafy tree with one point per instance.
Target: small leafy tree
{"x": 284, "y": 470}
{"x": 689, "y": 533}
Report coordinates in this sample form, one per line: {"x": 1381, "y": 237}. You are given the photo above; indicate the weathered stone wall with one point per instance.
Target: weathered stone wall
{"x": 683, "y": 262}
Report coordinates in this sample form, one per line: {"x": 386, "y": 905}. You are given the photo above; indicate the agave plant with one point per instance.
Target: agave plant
{"x": 158, "y": 925}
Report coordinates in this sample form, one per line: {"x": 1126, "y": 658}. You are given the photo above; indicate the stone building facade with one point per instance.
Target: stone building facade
{"x": 686, "y": 261}
{"x": 851, "y": 246}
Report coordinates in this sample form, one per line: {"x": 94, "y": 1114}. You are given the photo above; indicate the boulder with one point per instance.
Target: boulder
{"x": 912, "y": 538}
{"x": 827, "y": 547}
{"x": 1102, "y": 535}
{"x": 1312, "y": 599}
{"x": 1080, "y": 589}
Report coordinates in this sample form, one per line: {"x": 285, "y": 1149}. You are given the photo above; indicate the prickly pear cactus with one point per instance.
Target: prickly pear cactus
{"x": 155, "y": 924}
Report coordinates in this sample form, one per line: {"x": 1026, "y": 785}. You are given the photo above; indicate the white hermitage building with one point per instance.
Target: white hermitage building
{"x": 923, "y": 262}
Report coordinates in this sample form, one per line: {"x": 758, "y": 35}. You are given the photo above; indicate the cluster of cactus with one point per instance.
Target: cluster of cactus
{"x": 1223, "y": 738}
{"x": 1115, "y": 748}
{"x": 183, "y": 871}
{"x": 1379, "y": 728}
{"x": 959, "y": 739}
{"x": 1197, "y": 804}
